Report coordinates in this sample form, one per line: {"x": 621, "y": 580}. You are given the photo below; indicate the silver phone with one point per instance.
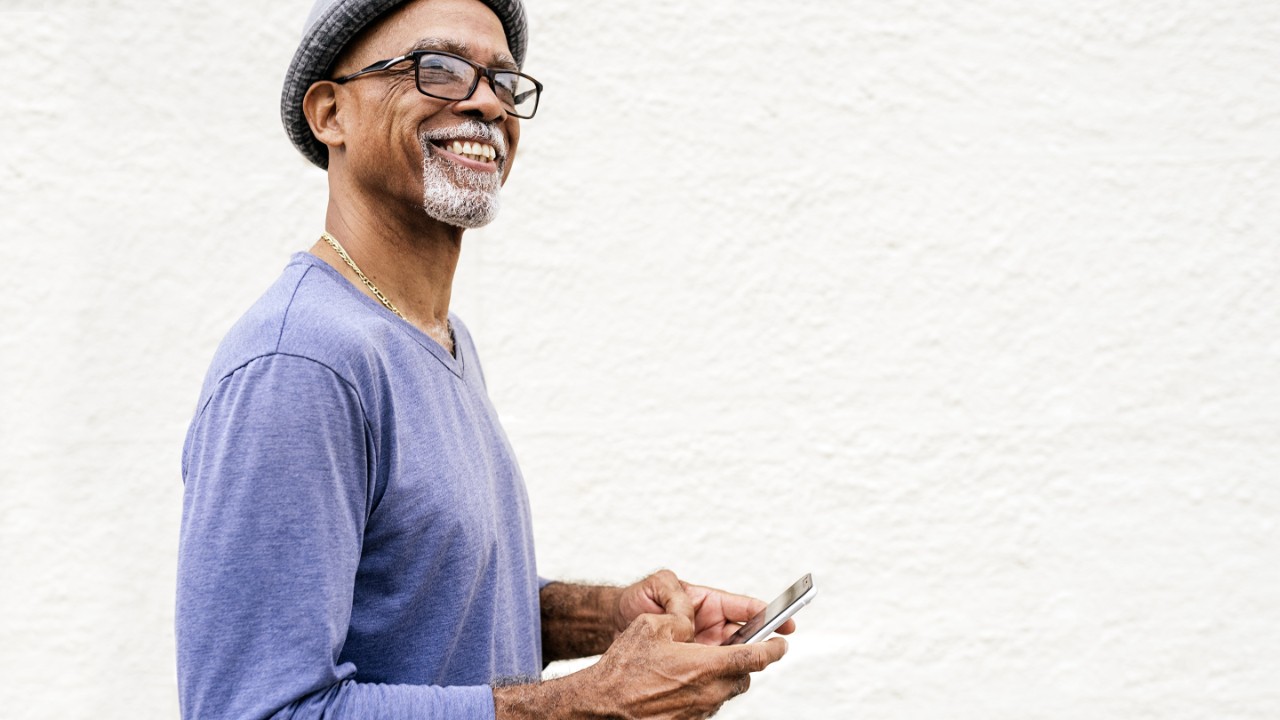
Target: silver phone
{"x": 779, "y": 611}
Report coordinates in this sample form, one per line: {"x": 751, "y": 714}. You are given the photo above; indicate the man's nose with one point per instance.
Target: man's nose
{"x": 483, "y": 103}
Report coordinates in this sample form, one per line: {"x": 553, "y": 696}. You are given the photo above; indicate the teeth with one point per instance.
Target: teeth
{"x": 481, "y": 152}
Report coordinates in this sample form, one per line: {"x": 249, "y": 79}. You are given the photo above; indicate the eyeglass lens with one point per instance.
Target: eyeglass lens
{"x": 451, "y": 78}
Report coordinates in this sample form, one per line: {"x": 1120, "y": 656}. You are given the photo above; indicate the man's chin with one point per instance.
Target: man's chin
{"x": 459, "y": 196}
{"x": 468, "y": 209}
{"x": 467, "y": 222}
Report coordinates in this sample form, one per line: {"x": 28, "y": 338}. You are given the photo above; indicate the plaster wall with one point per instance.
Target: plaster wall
{"x": 970, "y": 309}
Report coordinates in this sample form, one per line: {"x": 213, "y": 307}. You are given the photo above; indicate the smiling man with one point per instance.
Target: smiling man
{"x": 356, "y": 536}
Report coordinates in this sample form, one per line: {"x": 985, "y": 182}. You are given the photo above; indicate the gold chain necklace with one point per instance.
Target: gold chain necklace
{"x": 342, "y": 253}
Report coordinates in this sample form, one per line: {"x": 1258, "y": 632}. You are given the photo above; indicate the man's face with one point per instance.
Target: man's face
{"x": 411, "y": 148}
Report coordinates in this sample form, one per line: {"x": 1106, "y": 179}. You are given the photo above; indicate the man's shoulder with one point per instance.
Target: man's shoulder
{"x": 307, "y": 313}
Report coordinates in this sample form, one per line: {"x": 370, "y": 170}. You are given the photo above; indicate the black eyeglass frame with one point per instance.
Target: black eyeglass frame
{"x": 481, "y": 71}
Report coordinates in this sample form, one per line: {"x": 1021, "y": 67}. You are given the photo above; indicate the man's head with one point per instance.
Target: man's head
{"x": 394, "y": 131}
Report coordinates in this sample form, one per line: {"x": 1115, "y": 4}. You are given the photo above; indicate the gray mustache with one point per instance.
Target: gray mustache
{"x": 470, "y": 130}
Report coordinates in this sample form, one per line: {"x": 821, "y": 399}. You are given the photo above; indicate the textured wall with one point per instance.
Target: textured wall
{"x": 970, "y": 309}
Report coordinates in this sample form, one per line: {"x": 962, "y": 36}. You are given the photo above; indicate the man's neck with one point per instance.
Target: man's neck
{"x": 409, "y": 257}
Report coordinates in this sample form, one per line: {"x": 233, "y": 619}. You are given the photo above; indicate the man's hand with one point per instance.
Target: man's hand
{"x": 650, "y": 671}
{"x": 661, "y": 593}
{"x": 715, "y": 614}
{"x": 719, "y": 614}
{"x": 584, "y": 620}
{"x": 653, "y": 671}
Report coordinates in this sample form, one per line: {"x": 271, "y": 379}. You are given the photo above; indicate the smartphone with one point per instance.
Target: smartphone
{"x": 767, "y": 620}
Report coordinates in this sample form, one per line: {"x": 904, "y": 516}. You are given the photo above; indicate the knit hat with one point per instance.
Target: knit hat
{"x": 334, "y": 23}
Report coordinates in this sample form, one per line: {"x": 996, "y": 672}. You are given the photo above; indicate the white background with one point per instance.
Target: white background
{"x": 971, "y": 309}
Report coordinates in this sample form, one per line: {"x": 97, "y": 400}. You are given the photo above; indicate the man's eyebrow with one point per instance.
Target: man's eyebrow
{"x": 457, "y": 47}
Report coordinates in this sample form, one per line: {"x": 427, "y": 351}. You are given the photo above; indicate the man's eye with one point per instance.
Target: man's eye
{"x": 504, "y": 90}
{"x": 438, "y": 70}
{"x": 440, "y": 78}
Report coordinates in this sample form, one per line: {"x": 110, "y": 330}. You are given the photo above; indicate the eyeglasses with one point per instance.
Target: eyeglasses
{"x": 446, "y": 76}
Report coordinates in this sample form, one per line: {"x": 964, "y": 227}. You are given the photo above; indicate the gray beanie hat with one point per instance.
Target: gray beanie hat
{"x": 334, "y": 23}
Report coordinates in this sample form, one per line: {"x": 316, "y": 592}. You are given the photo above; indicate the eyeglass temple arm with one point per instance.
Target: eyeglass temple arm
{"x": 376, "y": 67}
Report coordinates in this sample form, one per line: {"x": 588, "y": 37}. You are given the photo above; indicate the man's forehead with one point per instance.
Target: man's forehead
{"x": 457, "y": 46}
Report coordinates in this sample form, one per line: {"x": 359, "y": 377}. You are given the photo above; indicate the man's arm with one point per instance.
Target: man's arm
{"x": 577, "y": 620}
{"x": 274, "y": 512}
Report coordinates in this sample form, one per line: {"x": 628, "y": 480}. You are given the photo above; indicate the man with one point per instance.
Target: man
{"x": 356, "y": 539}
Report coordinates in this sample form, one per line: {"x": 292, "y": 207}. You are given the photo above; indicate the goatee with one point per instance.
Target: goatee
{"x": 457, "y": 195}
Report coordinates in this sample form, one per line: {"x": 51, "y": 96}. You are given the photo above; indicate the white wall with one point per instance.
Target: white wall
{"x": 971, "y": 309}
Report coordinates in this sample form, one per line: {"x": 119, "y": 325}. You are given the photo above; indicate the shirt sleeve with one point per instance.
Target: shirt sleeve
{"x": 277, "y": 489}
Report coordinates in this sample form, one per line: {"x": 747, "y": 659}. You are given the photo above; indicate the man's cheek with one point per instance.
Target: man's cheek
{"x": 506, "y": 168}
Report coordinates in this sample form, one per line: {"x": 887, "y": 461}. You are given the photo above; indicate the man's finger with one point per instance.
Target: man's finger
{"x": 667, "y": 590}
{"x": 676, "y": 628}
{"x": 742, "y": 659}
{"x": 739, "y": 608}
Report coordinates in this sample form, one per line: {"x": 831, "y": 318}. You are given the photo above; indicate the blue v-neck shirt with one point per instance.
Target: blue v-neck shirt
{"x": 356, "y": 536}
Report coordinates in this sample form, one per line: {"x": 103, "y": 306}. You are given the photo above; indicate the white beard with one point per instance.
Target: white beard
{"x": 457, "y": 195}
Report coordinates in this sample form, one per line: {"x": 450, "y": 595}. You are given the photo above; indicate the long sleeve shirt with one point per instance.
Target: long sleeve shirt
{"x": 356, "y": 538}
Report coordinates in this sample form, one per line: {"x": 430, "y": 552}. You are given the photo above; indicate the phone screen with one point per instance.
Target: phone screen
{"x": 778, "y": 611}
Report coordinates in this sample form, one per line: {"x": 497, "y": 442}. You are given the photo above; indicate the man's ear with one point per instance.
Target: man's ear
{"x": 320, "y": 106}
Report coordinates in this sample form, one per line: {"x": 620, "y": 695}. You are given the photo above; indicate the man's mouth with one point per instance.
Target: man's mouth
{"x": 472, "y": 150}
